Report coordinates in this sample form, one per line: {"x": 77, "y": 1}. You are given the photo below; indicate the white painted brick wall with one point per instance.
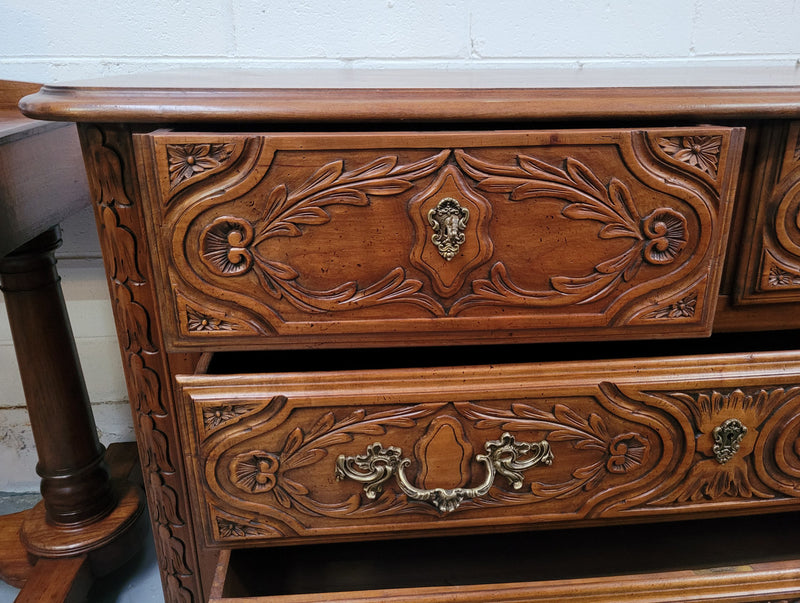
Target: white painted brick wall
{"x": 56, "y": 40}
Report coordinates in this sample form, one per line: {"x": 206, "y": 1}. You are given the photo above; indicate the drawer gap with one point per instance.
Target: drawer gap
{"x": 226, "y": 363}
{"x": 514, "y": 558}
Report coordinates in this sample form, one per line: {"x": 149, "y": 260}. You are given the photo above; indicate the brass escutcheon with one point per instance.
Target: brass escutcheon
{"x": 727, "y": 438}
{"x": 448, "y": 220}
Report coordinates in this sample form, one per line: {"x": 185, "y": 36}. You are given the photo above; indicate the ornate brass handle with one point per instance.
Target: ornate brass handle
{"x": 503, "y": 456}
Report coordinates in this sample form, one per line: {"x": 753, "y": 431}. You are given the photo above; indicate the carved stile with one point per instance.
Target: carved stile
{"x": 118, "y": 207}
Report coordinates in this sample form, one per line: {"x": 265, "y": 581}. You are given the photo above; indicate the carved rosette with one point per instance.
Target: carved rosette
{"x": 188, "y": 160}
{"x": 200, "y": 321}
{"x": 699, "y": 152}
{"x": 778, "y": 275}
{"x": 681, "y": 307}
{"x": 218, "y": 414}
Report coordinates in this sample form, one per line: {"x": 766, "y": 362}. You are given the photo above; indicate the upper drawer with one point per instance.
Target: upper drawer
{"x": 423, "y": 238}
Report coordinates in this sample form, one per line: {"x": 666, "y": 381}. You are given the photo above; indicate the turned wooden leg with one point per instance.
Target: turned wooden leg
{"x": 75, "y": 483}
{"x": 85, "y": 517}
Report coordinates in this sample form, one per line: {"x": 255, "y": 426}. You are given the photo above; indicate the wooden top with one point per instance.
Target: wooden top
{"x": 423, "y": 95}
{"x": 14, "y": 125}
{"x": 42, "y": 179}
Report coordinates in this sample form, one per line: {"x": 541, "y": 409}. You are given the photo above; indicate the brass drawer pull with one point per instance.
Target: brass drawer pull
{"x": 379, "y": 464}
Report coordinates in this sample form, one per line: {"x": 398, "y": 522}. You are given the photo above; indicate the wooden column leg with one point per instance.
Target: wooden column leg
{"x": 83, "y": 510}
{"x": 75, "y": 484}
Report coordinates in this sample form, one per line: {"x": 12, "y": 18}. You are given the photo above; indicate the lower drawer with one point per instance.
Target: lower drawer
{"x": 733, "y": 559}
{"x": 289, "y": 457}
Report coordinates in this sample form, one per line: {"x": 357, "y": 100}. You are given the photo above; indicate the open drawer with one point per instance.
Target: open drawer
{"x": 342, "y": 454}
{"x": 270, "y": 240}
{"x": 733, "y": 560}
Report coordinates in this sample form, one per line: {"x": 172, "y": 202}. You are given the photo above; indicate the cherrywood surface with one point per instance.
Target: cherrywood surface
{"x": 150, "y": 188}
{"x": 75, "y": 483}
{"x": 570, "y": 235}
{"x": 16, "y": 563}
{"x": 58, "y": 581}
{"x": 363, "y": 96}
{"x": 629, "y": 439}
{"x": 42, "y": 180}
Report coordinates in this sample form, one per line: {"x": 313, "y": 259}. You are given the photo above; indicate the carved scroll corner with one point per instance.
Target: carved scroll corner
{"x": 666, "y": 233}
{"x": 225, "y": 246}
{"x": 684, "y": 307}
{"x": 254, "y": 472}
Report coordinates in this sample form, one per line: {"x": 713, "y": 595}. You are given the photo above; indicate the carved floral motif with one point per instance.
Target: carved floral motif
{"x": 778, "y": 277}
{"x": 229, "y": 245}
{"x": 260, "y": 472}
{"x": 685, "y": 307}
{"x": 232, "y": 529}
{"x": 701, "y": 152}
{"x": 188, "y": 160}
{"x": 255, "y": 471}
{"x": 197, "y": 321}
{"x": 214, "y": 416}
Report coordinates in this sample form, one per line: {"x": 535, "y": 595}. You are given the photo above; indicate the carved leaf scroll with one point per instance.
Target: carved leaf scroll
{"x": 262, "y": 472}
{"x": 657, "y": 238}
{"x": 625, "y": 452}
{"x": 229, "y": 245}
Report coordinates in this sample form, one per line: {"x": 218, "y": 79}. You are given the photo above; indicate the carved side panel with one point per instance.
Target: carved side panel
{"x": 306, "y": 466}
{"x": 770, "y": 271}
{"x": 448, "y": 235}
{"x": 118, "y": 209}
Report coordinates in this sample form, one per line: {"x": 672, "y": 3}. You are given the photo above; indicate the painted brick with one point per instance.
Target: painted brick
{"x": 102, "y": 29}
{"x": 729, "y": 27}
{"x": 579, "y": 29}
{"x": 364, "y": 28}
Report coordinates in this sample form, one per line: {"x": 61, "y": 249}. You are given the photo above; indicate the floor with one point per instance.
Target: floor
{"x": 136, "y": 582}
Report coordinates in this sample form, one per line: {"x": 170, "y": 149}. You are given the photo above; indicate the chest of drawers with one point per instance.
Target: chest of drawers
{"x": 488, "y": 328}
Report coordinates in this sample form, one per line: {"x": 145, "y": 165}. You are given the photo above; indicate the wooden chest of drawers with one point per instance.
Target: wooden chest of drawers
{"x": 446, "y": 317}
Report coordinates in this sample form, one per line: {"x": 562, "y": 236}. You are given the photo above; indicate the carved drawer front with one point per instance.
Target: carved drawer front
{"x": 358, "y": 454}
{"x": 770, "y": 271}
{"x": 274, "y": 239}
